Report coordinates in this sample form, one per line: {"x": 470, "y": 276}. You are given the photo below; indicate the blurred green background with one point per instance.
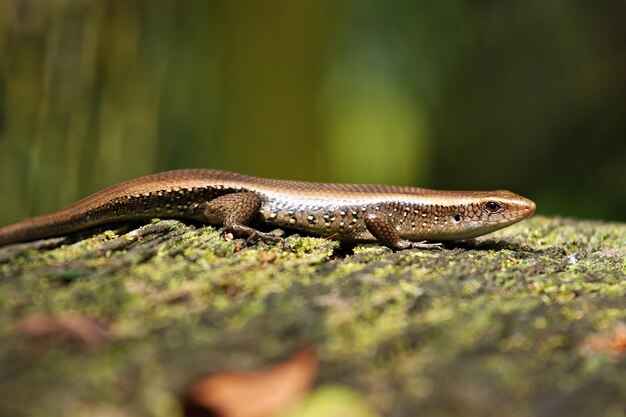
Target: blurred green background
{"x": 526, "y": 96}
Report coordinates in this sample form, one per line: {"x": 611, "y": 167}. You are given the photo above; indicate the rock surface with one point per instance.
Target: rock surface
{"x": 529, "y": 321}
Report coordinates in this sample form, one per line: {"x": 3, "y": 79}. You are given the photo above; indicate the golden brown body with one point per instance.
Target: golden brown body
{"x": 398, "y": 217}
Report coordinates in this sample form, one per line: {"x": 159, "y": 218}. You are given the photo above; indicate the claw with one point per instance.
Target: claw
{"x": 427, "y": 245}
{"x": 269, "y": 237}
{"x": 252, "y": 238}
{"x": 265, "y": 237}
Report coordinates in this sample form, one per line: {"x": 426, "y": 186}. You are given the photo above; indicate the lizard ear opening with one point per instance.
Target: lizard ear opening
{"x": 457, "y": 218}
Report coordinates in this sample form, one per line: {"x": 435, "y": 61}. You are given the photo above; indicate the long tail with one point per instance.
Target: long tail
{"x": 49, "y": 225}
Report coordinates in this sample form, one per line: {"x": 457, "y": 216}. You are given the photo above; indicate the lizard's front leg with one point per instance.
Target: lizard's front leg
{"x": 385, "y": 232}
{"x": 235, "y": 211}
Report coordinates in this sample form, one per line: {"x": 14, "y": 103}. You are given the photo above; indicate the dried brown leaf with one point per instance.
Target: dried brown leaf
{"x": 260, "y": 393}
{"x": 266, "y": 257}
{"x": 78, "y": 329}
{"x": 611, "y": 343}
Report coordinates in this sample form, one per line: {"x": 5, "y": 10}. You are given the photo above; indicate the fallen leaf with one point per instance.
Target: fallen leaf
{"x": 611, "y": 343}
{"x": 260, "y": 393}
{"x": 266, "y": 257}
{"x": 78, "y": 329}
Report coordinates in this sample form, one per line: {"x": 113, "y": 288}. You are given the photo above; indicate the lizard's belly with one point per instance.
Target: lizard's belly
{"x": 339, "y": 221}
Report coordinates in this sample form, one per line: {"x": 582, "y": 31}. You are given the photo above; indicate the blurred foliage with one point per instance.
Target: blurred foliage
{"x": 523, "y": 96}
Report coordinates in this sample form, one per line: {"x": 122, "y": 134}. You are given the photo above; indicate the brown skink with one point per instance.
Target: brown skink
{"x": 395, "y": 216}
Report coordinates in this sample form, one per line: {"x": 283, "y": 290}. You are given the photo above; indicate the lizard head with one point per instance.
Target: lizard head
{"x": 488, "y": 211}
{"x": 458, "y": 215}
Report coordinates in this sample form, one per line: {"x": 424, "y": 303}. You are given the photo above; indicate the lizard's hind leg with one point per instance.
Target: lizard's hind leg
{"x": 235, "y": 211}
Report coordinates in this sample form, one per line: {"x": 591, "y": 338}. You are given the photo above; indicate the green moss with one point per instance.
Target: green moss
{"x": 500, "y": 322}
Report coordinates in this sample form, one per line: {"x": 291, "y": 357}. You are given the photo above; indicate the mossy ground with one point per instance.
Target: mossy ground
{"x": 496, "y": 326}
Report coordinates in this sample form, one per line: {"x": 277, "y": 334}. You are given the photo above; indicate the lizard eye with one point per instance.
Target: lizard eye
{"x": 492, "y": 207}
